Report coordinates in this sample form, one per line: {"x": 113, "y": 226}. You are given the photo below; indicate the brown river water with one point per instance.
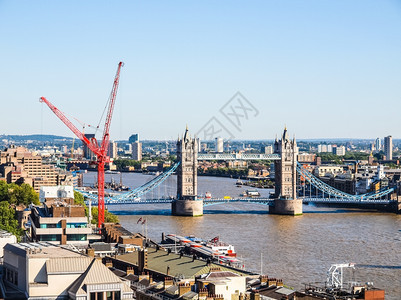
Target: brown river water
{"x": 297, "y": 249}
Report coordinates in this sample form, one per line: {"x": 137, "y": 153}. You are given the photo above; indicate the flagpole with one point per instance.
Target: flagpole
{"x": 146, "y": 229}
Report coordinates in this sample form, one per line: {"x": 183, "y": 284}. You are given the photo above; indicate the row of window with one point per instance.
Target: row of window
{"x": 111, "y": 295}
{"x": 57, "y": 237}
{"x": 11, "y": 276}
{"x": 69, "y": 225}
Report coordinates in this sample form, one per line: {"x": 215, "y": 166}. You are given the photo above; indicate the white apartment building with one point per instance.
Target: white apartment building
{"x": 44, "y": 271}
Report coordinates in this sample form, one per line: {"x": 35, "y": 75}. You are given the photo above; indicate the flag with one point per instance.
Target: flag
{"x": 140, "y": 219}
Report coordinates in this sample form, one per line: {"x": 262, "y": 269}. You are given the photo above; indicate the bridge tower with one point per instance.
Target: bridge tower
{"x": 187, "y": 203}
{"x": 286, "y": 202}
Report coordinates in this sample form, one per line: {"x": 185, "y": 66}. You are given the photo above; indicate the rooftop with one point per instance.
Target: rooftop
{"x": 185, "y": 266}
{"x": 5, "y": 234}
{"x": 41, "y": 250}
{"x": 96, "y": 273}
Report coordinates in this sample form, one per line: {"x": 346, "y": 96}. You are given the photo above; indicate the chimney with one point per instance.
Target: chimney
{"x": 168, "y": 281}
{"x": 203, "y": 293}
{"x": 144, "y": 276}
{"x": 90, "y": 252}
{"x": 142, "y": 260}
{"x": 109, "y": 263}
{"x": 255, "y": 296}
{"x": 272, "y": 281}
{"x": 183, "y": 288}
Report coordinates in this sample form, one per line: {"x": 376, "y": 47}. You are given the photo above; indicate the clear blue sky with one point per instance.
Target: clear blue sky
{"x": 324, "y": 68}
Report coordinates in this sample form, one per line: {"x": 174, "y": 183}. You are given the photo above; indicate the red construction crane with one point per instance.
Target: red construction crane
{"x": 99, "y": 151}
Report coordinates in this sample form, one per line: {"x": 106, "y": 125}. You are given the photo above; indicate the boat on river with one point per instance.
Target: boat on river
{"x": 251, "y": 193}
{"x": 207, "y": 248}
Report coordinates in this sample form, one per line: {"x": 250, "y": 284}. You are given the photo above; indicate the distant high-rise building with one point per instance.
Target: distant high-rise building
{"x": 372, "y": 147}
{"x": 203, "y": 147}
{"x": 198, "y": 141}
{"x": 388, "y": 147}
{"x": 378, "y": 144}
{"x": 219, "y": 145}
{"x": 133, "y": 138}
{"x": 340, "y": 150}
{"x": 128, "y": 148}
{"x": 88, "y": 154}
{"x": 227, "y": 147}
{"x": 65, "y": 149}
{"x": 322, "y": 148}
{"x": 137, "y": 150}
{"x": 112, "y": 153}
{"x": 268, "y": 150}
{"x": 329, "y": 148}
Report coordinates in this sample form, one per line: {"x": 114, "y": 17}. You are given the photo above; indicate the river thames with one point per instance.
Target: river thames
{"x": 297, "y": 249}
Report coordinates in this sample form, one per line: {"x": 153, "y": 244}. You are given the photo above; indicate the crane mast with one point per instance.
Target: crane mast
{"x": 99, "y": 151}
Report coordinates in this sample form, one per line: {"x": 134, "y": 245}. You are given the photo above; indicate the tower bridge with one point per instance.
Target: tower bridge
{"x": 286, "y": 199}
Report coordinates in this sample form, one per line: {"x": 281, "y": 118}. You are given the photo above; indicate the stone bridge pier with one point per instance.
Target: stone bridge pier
{"x": 397, "y": 203}
{"x": 187, "y": 203}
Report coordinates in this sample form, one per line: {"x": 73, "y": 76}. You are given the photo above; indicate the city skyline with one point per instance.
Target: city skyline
{"x": 325, "y": 69}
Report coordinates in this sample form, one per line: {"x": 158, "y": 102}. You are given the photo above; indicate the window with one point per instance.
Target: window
{"x": 49, "y": 237}
{"x": 76, "y": 225}
{"x": 11, "y": 276}
{"x": 76, "y": 237}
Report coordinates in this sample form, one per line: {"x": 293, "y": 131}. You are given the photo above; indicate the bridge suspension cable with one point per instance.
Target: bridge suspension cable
{"x": 131, "y": 195}
{"x": 331, "y": 191}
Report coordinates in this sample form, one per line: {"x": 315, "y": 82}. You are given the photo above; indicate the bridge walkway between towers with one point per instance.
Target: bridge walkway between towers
{"x": 262, "y": 201}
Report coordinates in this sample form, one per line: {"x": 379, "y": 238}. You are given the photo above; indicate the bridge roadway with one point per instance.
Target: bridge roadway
{"x": 264, "y": 201}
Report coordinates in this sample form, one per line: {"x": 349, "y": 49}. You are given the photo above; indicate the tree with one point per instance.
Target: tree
{"x": 121, "y": 164}
{"x": 4, "y": 191}
{"x": 108, "y": 216}
{"x": 27, "y": 195}
{"x": 79, "y": 199}
{"x": 8, "y": 220}
{"x": 327, "y": 156}
{"x": 18, "y": 194}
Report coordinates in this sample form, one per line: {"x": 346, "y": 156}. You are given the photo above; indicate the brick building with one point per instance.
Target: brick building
{"x": 18, "y": 165}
